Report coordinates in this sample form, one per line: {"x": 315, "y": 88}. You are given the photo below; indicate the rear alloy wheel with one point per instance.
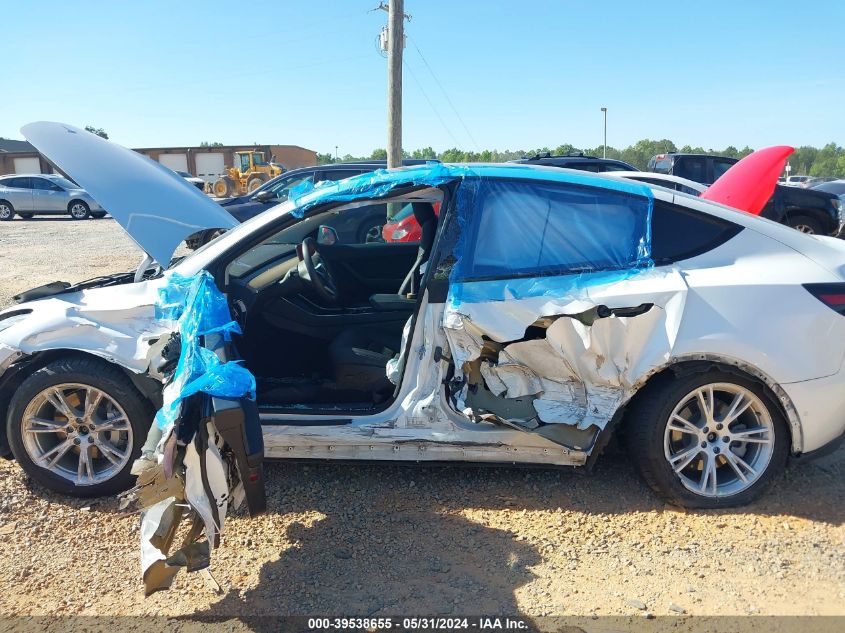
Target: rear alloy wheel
{"x": 79, "y": 210}
{"x": 76, "y": 425}
{"x": 708, "y": 440}
{"x": 7, "y": 211}
{"x": 805, "y": 224}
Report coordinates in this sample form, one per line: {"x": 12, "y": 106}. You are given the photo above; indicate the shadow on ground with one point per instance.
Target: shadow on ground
{"x": 392, "y": 539}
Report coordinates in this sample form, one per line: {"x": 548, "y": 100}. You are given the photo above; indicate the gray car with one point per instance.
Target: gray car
{"x": 45, "y": 194}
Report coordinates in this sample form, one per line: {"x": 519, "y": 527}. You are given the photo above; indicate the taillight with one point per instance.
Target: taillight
{"x": 832, "y": 295}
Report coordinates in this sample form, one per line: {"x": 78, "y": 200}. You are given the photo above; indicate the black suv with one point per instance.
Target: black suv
{"x": 577, "y": 160}
{"x": 807, "y": 210}
{"x": 367, "y": 226}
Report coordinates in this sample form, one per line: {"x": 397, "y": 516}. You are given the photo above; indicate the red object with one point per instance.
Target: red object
{"x": 750, "y": 183}
{"x": 404, "y": 227}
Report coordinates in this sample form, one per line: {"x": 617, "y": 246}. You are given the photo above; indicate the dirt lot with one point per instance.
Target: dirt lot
{"x": 382, "y": 540}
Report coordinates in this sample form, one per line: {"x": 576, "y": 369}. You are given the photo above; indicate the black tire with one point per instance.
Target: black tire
{"x": 646, "y": 422}
{"x": 26, "y": 216}
{"x": 79, "y": 210}
{"x": 223, "y": 187}
{"x": 805, "y": 224}
{"x": 7, "y": 211}
{"x": 98, "y": 214}
{"x": 255, "y": 182}
{"x": 102, "y": 376}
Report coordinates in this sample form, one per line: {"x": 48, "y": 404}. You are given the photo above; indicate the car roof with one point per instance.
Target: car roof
{"x": 642, "y": 175}
{"x": 677, "y": 154}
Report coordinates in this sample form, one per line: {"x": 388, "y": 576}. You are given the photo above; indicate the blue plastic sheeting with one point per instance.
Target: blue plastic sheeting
{"x": 199, "y": 308}
{"x": 381, "y": 182}
{"x": 523, "y": 239}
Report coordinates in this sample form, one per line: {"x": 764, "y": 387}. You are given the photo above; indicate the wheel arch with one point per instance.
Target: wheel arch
{"x": 701, "y": 363}
{"x": 817, "y": 214}
{"x": 74, "y": 200}
{"x": 148, "y": 388}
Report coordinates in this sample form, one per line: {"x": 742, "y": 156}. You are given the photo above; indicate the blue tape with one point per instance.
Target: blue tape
{"x": 199, "y": 308}
{"x": 518, "y": 241}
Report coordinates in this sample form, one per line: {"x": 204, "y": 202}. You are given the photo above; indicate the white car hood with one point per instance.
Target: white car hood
{"x": 158, "y": 208}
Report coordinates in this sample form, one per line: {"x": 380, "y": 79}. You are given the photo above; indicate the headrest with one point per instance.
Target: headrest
{"x": 423, "y": 212}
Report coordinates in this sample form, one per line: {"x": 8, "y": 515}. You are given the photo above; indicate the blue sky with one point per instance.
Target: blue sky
{"x": 519, "y": 74}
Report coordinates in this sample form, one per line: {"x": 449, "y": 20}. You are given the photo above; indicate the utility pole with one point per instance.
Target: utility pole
{"x": 395, "y": 43}
{"x": 604, "y": 147}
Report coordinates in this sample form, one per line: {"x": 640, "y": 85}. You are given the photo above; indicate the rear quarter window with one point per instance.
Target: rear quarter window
{"x": 678, "y": 233}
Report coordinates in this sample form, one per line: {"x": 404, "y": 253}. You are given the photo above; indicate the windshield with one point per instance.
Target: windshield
{"x": 282, "y": 188}
{"x": 65, "y": 183}
{"x": 200, "y": 257}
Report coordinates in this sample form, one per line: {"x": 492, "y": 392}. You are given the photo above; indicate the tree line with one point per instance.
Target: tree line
{"x": 827, "y": 161}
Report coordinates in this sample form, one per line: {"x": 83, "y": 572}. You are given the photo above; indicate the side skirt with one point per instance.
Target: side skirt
{"x": 366, "y": 444}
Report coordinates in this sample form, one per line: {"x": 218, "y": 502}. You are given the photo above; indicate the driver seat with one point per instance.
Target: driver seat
{"x": 359, "y": 355}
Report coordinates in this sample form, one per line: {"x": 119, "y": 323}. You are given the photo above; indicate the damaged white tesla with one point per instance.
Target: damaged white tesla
{"x": 542, "y": 312}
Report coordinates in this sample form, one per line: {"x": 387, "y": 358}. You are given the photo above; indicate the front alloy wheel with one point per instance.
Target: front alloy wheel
{"x": 707, "y": 440}
{"x": 76, "y": 425}
{"x": 77, "y": 432}
{"x": 79, "y": 211}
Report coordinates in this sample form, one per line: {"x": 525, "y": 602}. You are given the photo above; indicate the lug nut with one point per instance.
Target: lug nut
{"x": 704, "y": 445}
{"x": 719, "y": 427}
{"x": 90, "y": 440}
{"x": 716, "y": 450}
{"x": 76, "y": 441}
{"x": 726, "y": 439}
{"x": 705, "y": 430}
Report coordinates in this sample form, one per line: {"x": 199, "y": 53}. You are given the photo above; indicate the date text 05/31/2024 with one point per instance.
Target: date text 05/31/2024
{"x": 478, "y": 623}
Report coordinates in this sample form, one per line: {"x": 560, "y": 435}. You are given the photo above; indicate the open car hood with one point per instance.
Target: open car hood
{"x": 750, "y": 183}
{"x": 158, "y": 208}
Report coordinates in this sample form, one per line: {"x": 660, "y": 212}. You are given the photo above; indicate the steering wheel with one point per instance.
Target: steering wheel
{"x": 317, "y": 275}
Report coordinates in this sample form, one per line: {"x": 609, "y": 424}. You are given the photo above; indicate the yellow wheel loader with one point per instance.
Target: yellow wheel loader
{"x": 249, "y": 173}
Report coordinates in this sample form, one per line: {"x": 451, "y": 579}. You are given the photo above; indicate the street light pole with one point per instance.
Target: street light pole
{"x": 604, "y": 147}
{"x": 335, "y": 153}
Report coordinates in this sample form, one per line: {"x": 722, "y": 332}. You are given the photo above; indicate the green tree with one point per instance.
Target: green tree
{"x": 213, "y": 144}
{"x": 96, "y": 130}
{"x": 379, "y": 154}
{"x": 425, "y": 152}
{"x": 324, "y": 159}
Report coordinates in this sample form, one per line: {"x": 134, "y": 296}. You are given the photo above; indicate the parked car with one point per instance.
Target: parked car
{"x": 836, "y": 187}
{"x": 28, "y": 195}
{"x": 669, "y": 181}
{"x": 403, "y": 227}
{"x": 576, "y": 160}
{"x": 199, "y": 183}
{"x": 795, "y": 181}
{"x": 806, "y": 210}
{"x": 541, "y": 313}
{"x": 277, "y": 190}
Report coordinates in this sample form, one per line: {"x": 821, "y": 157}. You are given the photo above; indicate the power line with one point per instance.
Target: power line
{"x": 445, "y": 94}
{"x": 422, "y": 90}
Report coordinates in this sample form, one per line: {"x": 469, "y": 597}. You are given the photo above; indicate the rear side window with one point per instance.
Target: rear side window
{"x": 340, "y": 174}
{"x": 691, "y": 168}
{"x": 525, "y": 229}
{"x": 720, "y": 167}
{"x": 19, "y": 183}
{"x": 678, "y": 233}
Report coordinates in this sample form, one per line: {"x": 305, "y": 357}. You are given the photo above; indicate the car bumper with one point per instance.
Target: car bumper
{"x": 820, "y": 405}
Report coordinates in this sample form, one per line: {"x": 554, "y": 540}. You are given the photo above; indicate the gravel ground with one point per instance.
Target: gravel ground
{"x": 384, "y": 540}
